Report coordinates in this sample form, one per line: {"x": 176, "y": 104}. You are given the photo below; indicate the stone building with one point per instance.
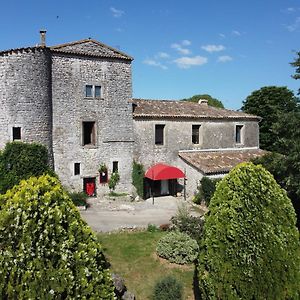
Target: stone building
{"x": 199, "y": 139}
{"x": 76, "y": 99}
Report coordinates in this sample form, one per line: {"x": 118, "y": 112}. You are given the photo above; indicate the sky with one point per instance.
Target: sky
{"x": 227, "y": 49}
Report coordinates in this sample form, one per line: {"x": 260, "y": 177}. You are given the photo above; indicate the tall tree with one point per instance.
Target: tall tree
{"x": 211, "y": 101}
{"x": 250, "y": 245}
{"x": 271, "y": 103}
{"x": 296, "y": 64}
{"x": 46, "y": 250}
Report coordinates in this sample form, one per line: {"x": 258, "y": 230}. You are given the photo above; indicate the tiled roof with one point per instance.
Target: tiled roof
{"x": 24, "y": 49}
{"x": 183, "y": 109}
{"x": 218, "y": 162}
{"x": 89, "y": 47}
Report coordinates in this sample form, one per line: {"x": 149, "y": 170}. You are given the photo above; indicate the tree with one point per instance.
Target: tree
{"x": 20, "y": 161}
{"x": 296, "y": 64}
{"x": 250, "y": 247}
{"x": 46, "y": 250}
{"x": 211, "y": 101}
{"x": 270, "y": 103}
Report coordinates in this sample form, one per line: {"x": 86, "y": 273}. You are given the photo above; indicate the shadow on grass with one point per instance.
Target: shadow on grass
{"x": 196, "y": 289}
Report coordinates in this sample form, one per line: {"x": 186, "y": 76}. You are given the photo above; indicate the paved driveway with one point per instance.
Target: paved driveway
{"x": 109, "y": 215}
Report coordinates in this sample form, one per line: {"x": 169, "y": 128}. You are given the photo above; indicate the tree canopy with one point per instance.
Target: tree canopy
{"x": 211, "y": 101}
{"x": 296, "y": 64}
{"x": 250, "y": 247}
{"x": 46, "y": 250}
{"x": 20, "y": 161}
{"x": 271, "y": 103}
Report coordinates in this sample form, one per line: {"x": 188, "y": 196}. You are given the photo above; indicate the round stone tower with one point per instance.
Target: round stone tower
{"x": 25, "y": 96}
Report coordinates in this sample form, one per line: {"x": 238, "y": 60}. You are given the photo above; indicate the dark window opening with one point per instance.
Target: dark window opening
{"x": 89, "y": 91}
{"x": 97, "y": 91}
{"x": 16, "y": 133}
{"x": 77, "y": 169}
{"x": 195, "y": 134}
{"x": 159, "y": 134}
{"x": 238, "y": 134}
{"x": 103, "y": 176}
{"x": 89, "y": 135}
{"x": 115, "y": 166}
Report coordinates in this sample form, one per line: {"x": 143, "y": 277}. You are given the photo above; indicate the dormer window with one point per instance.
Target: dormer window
{"x": 92, "y": 91}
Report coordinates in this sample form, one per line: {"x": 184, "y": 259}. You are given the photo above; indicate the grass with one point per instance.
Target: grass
{"x": 132, "y": 255}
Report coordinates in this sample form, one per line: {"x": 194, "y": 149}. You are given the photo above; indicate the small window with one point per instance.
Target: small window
{"x": 115, "y": 166}
{"x": 89, "y": 134}
{"x": 159, "y": 134}
{"x": 195, "y": 134}
{"x": 238, "y": 134}
{"x": 97, "y": 91}
{"x": 89, "y": 91}
{"x": 77, "y": 169}
{"x": 16, "y": 133}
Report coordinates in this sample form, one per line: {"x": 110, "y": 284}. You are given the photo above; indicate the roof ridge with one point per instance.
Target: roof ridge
{"x": 59, "y": 46}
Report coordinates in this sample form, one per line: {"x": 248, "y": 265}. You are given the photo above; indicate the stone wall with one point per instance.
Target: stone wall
{"x": 25, "y": 96}
{"x": 178, "y": 136}
{"x": 111, "y": 113}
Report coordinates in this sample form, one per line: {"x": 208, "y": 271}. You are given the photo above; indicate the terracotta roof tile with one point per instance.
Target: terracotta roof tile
{"x": 184, "y": 109}
{"x": 218, "y": 162}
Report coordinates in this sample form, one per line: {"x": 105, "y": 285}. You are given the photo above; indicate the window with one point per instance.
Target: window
{"x": 77, "y": 169}
{"x": 89, "y": 133}
{"x": 16, "y": 133}
{"x": 89, "y": 91}
{"x": 238, "y": 134}
{"x": 115, "y": 166}
{"x": 97, "y": 91}
{"x": 93, "y": 91}
{"x": 159, "y": 134}
{"x": 195, "y": 134}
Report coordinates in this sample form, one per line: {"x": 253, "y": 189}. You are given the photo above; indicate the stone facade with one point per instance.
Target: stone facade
{"x": 25, "y": 96}
{"x": 76, "y": 99}
{"x": 43, "y": 93}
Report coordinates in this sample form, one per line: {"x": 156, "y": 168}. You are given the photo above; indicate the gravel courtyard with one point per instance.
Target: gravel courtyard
{"x": 110, "y": 215}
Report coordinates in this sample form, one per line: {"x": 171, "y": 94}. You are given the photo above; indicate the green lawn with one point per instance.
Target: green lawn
{"x": 132, "y": 255}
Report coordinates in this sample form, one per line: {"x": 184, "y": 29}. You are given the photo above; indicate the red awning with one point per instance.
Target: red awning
{"x": 164, "y": 172}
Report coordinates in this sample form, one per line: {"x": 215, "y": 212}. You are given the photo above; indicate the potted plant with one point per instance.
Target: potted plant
{"x": 103, "y": 173}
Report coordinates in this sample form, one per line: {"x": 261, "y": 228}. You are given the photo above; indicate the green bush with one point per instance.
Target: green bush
{"x": 152, "y": 228}
{"x": 250, "y": 247}
{"x": 79, "y": 199}
{"x": 168, "y": 288}
{"x": 206, "y": 190}
{"x": 114, "y": 179}
{"x": 20, "y": 161}
{"x": 177, "y": 247}
{"x": 138, "y": 173}
{"x": 188, "y": 224}
{"x": 46, "y": 250}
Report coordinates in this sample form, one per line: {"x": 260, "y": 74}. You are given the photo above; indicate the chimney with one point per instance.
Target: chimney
{"x": 203, "y": 102}
{"x": 43, "y": 38}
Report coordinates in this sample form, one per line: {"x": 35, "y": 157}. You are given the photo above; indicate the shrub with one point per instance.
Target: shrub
{"x": 177, "y": 247}
{"x": 138, "y": 173}
{"x": 188, "y": 224}
{"x": 46, "y": 250}
{"x": 250, "y": 247}
{"x": 114, "y": 179}
{"x": 79, "y": 199}
{"x": 206, "y": 189}
{"x": 152, "y": 228}
{"x": 20, "y": 161}
{"x": 168, "y": 288}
